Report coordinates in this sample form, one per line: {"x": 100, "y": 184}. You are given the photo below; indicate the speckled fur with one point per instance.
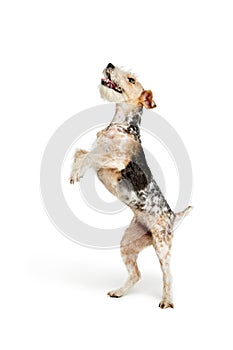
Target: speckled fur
{"x": 120, "y": 163}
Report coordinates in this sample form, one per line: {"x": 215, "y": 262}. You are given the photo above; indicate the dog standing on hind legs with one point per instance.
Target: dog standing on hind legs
{"x": 119, "y": 160}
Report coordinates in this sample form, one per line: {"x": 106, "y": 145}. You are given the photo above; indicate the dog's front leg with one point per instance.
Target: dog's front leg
{"x": 80, "y": 165}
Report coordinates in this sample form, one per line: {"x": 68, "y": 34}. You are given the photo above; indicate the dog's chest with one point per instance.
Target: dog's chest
{"x": 113, "y": 148}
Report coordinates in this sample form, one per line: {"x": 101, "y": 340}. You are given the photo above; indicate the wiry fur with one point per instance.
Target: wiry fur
{"x": 120, "y": 163}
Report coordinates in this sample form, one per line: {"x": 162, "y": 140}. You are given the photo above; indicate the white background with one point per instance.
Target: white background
{"x": 53, "y": 292}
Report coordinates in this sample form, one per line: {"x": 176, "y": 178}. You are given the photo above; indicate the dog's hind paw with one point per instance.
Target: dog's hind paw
{"x": 116, "y": 293}
{"x": 166, "y": 304}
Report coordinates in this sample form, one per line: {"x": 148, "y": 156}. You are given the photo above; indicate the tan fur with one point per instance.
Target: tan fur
{"x": 135, "y": 239}
{"x": 77, "y": 168}
{"x": 110, "y": 178}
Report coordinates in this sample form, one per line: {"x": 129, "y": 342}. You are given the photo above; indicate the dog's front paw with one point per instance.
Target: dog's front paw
{"x": 164, "y": 304}
{"x": 74, "y": 179}
{"x": 116, "y": 293}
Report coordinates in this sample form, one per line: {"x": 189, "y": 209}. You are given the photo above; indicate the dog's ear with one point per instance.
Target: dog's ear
{"x": 146, "y": 99}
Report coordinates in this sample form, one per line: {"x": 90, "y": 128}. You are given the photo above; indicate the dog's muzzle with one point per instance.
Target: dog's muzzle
{"x": 108, "y": 82}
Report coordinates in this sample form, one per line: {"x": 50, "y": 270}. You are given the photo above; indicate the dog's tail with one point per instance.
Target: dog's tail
{"x": 181, "y": 214}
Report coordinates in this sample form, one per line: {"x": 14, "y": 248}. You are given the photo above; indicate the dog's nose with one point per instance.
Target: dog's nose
{"x": 111, "y": 66}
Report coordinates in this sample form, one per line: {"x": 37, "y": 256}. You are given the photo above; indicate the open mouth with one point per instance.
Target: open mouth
{"x": 111, "y": 85}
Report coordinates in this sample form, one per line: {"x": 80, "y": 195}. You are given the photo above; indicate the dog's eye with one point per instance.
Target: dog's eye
{"x": 131, "y": 80}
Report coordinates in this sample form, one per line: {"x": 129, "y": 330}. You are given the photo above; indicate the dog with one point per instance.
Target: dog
{"x": 119, "y": 161}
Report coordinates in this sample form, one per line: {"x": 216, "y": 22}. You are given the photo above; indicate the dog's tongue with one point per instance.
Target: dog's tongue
{"x": 109, "y": 83}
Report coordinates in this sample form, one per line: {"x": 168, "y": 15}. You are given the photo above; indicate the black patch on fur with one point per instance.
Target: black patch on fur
{"x": 134, "y": 130}
{"x": 137, "y": 172}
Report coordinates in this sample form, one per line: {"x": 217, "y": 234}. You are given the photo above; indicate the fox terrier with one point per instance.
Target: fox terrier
{"x": 120, "y": 164}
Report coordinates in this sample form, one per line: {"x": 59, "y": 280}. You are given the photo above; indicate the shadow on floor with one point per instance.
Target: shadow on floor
{"x": 92, "y": 275}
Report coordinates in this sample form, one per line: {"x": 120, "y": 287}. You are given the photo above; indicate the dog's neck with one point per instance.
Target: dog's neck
{"x": 127, "y": 114}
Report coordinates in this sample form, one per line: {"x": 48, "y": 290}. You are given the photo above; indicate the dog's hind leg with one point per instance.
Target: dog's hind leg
{"x": 162, "y": 242}
{"x": 136, "y": 238}
{"x": 80, "y": 164}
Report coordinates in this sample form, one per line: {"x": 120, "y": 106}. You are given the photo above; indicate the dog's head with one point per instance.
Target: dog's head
{"x": 120, "y": 86}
